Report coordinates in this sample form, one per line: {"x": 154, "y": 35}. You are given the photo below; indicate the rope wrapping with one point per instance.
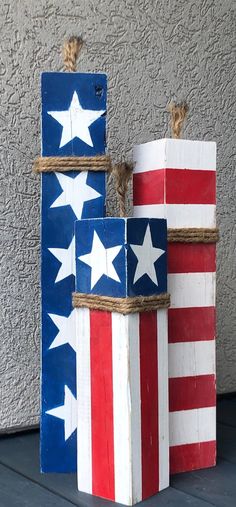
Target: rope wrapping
{"x": 63, "y": 164}
{"x": 193, "y": 235}
{"x": 121, "y": 305}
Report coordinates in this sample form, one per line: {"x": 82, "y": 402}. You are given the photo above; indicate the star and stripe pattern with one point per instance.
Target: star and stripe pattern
{"x": 177, "y": 179}
{"x": 73, "y": 123}
{"x": 122, "y": 374}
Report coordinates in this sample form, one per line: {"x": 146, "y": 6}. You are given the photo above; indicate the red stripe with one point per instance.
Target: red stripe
{"x": 191, "y": 258}
{"x": 190, "y": 187}
{"x": 103, "y": 481}
{"x": 175, "y": 186}
{"x": 149, "y": 403}
{"x": 191, "y": 324}
{"x": 184, "y": 458}
{"x": 186, "y": 393}
{"x": 148, "y": 187}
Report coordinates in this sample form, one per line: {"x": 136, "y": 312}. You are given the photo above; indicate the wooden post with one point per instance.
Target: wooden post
{"x": 73, "y": 124}
{"x": 122, "y": 371}
{"x": 177, "y": 179}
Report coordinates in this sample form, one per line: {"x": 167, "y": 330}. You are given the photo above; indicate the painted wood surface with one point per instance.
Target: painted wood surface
{"x": 122, "y": 378}
{"x": 121, "y": 257}
{"x": 73, "y": 123}
{"x": 176, "y": 179}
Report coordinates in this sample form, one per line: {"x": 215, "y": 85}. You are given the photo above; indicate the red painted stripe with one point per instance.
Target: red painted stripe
{"x": 103, "y": 477}
{"x": 175, "y": 186}
{"x": 184, "y": 458}
{"x": 149, "y": 403}
{"x": 186, "y": 393}
{"x": 148, "y": 187}
{"x": 191, "y": 324}
{"x": 191, "y": 257}
{"x": 190, "y": 187}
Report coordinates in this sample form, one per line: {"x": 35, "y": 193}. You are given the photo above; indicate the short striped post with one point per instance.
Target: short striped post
{"x": 122, "y": 371}
{"x": 73, "y": 125}
{"x": 177, "y": 179}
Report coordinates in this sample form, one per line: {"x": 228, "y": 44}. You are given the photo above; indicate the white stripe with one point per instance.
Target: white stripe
{"x": 84, "y": 452}
{"x": 175, "y": 154}
{"x": 189, "y": 290}
{"x": 191, "y": 358}
{"x": 126, "y": 408}
{"x": 163, "y": 402}
{"x": 192, "y": 426}
{"x": 180, "y": 215}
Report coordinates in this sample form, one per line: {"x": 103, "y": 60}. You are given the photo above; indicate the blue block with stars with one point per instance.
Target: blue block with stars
{"x": 121, "y": 257}
{"x": 73, "y": 124}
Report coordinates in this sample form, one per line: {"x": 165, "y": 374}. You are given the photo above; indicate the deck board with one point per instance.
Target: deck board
{"x": 21, "y": 482}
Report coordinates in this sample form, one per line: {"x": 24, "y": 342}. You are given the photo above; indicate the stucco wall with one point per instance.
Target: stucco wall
{"x": 153, "y": 51}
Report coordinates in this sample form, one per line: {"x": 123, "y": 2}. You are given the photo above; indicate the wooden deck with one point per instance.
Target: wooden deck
{"x": 21, "y": 484}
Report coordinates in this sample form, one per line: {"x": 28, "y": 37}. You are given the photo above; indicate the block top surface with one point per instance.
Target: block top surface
{"x": 73, "y": 114}
{"x": 175, "y": 154}
{"x": 121, "y": 257}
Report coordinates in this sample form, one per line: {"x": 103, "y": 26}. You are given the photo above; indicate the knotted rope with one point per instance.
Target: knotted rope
{"x": 71, "y": 50}
{"x": 120, "y": 305}
{"x": 178, "y": 114}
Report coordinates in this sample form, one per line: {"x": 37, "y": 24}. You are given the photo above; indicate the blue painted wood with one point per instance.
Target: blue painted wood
{"x": 132, "y": 251}
{"x": 60, "y": 208}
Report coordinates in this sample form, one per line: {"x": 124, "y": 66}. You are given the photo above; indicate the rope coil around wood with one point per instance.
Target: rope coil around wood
{"x": 121, "y": 305}
{"x": 63, "y": 164}
{"x": 193, "y": 235}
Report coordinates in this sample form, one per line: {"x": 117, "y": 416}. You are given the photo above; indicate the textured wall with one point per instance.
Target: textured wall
{"x": 153, "y": 51}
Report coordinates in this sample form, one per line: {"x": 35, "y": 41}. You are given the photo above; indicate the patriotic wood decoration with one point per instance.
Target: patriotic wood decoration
{"x": 176, "y": 179}
{"x": 73, "y": 124}
{"x": 122, "y": 373}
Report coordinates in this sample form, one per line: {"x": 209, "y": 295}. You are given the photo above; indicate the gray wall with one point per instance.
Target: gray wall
{"x": 153, "y": 51}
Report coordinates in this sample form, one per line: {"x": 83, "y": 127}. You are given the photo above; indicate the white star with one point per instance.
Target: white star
{"x": 66, "y": 412}
{"x": 75, "y": 192}
{"x": 100, "y": 259}
{"x": 147, "y": 255}
{"x": 67, "y": 258}
{"x": 76, "y": 121}
{"x": 66, "y": 327}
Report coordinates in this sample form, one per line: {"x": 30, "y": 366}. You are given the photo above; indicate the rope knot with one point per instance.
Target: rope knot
{"x": 178, "y": 114}
{"x": 71, "y": 50}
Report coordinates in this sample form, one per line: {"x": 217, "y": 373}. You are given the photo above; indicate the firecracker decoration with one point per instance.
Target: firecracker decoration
{"x": 176, "y": 179}
{"x": 122, "y": 356}
{"x": 73, "y": 166}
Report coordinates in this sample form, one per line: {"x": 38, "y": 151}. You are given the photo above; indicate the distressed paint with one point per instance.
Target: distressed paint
{"x": 177, "y": 179}
{"x": 73, "y": 123}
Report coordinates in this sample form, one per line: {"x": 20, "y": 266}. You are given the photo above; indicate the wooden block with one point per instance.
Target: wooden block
{"x": 121, "y": 257}
{"x": 122, "y": 371}
{"x": 73, "y": 124}
{"x": 176, "y": 179}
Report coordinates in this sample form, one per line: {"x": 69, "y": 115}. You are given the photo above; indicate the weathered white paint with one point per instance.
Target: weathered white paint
{"x": 83, "y": 370}
{"x": 191, "y": 358}
{"x": 190, "y": 426}
{"x": 191, "y": 289}
{"x": 163, "y": 399}
{"x": 175, "y": 154}
{"x": 180, "y": 215}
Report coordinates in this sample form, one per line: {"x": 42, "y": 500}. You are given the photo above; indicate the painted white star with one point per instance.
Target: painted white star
{"x": 75, "y": 192}
{"x": 66, "y": 327}
{"x": 67, "y": 258}
{"x": 76, "y": 121}
{"x": 147, "y": 255}
{"x": 100, "y": 259}
{"x": 66, "y": 412}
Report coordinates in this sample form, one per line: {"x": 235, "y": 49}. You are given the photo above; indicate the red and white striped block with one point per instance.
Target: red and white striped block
{"x": 176, "y": 179}
{"x": 122, "y": 382}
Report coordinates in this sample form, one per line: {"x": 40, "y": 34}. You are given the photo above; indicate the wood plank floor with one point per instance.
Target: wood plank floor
{"x": 22, "y": 485}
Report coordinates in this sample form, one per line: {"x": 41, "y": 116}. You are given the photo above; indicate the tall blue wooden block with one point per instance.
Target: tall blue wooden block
{"x": 73, "y": 124}
{"x": 121, "y": 257}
